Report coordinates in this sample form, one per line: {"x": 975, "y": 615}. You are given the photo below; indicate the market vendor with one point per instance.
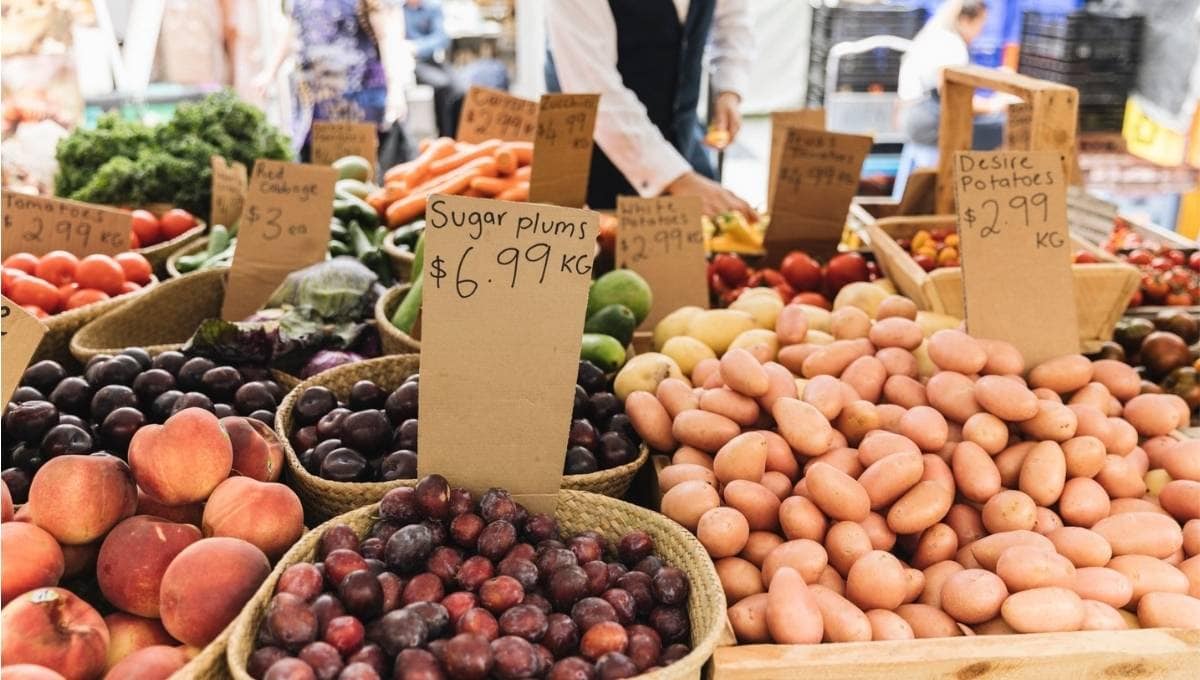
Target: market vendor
{"x": 646, "y": 59}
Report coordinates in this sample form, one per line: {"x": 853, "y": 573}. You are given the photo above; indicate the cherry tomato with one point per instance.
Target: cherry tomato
{"x": 86, "y": 296}
{"x": 1178, "y": 298}
{"x": 136, "y": 268}
{"x": 176, "y": 221}
{"x": 146, "y": 227}
{"x": 26, "y": 262}
{"x": 31, "y": 290}
{"x": 1085, "y": 257}
{"x": 1139, "y": 256}
{"x": 100, "y": 272}
{"x": 1194, "y": 260}
{"x": 1175, "y": 256}
{"x": 57, "y": 267}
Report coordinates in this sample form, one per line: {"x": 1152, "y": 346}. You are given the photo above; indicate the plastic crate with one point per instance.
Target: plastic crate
{"x": 1096, "y": 52}
{"x": 1082, "y": 25}
{"x": 1101, "y": 118}
{"x": 854, "y": 22}
{"x": 1076, "y": 68}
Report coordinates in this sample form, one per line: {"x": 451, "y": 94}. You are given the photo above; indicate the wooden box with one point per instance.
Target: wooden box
{"x": 1102, "y": 290}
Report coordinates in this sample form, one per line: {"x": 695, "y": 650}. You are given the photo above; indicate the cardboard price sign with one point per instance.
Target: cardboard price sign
{"x": 492, "y": 114}
{"x": 284, "y": 227}
{"x": 21, "y": 334}
{"x": 505, "y": 291}
{"x": 781, "y": 121}
{"x": 562, "y": 149}
{"x": 228, "y": 191}
{"x": 817, "y": 177}
{"x": 662, "y": 239}
{"x": 332, "y": 140}
{"x": 1018, "y": 127}
{"x": 1016, "y": 250}
{"x": 38, "y": 224}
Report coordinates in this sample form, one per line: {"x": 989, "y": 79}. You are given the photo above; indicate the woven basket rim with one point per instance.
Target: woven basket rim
{"x": 570, "y": 482}
{"x": 178, "y": 241}
{"x": 393, "y": 251}
{"x": 187, "y": 249}
{"x": 383, "y": 317}
{"x": 706, "y": 586}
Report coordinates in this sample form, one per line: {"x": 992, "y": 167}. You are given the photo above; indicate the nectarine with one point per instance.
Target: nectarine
{"x": 182, "y": 460}
{"x": 32, "y": 559}
{"x": 6, "y": 504}
{"x": 128, "y": 633}
{"x": 52, "y": 627}
{"x": 207, "y": 585}
{"x": 28, "y": 671}
{"x": 184, "y": 514}
{"x": 157, "y": 662}
{"x": 134, "y": 557}
{"x": 80, "y": 559}
{"x": 267, "y": 514}
{"x": 257, "y": 452}
{"x": 77, "y": 499}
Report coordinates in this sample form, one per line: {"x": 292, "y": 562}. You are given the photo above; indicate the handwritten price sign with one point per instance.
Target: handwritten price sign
{"x": 639, "y": 249}
{"x": 562, "y": 149}
{"x": 228, "y": 191}
{"x": 662, "y": 239}
{"x": 20, "y": 334}
{"x": 492, "y": 114}
{"x": 1016, "y": 259}
{"x": 36, "y": 224}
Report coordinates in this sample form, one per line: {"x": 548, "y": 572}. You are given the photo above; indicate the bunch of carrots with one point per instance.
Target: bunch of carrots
{"x": 489, "y": 169}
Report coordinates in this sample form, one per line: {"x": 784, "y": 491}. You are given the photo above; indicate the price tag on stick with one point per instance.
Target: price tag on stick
{"x": 332, "y": 140}
{"x": 228, "y": 191}
{"x": 37, "y": 224}
{"x": 1016, "y": 250}
{"x": 562, "y": 149}
{"x": 21, "y": 335}
{"x": 284, "y": 227}
{"x": 662, "y": 239}
{"x": 817, "y": 178}
{"x": 492, "y": 114}
{"x": 814, "y": 119}
{"x": 505, "y": 292}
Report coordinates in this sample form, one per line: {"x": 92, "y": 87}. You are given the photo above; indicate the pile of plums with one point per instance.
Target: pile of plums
{"x": 444, "y": 586}
{"x": 372, "y": 435}
{"x": 53, "y": 414}
{"x": 601, "y": 435}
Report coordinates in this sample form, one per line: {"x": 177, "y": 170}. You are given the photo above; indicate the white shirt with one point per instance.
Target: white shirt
{"x": 921, "y": 67}
{"x": 583, "y": 40}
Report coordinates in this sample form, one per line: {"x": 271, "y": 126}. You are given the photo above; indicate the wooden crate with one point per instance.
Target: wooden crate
{"x": 1102, "y": 290}
{"x": 1091, "y": 219}
{"x": 1143, "y": 654}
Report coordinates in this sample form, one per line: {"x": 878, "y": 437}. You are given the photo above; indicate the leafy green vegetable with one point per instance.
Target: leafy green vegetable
{"x": 128, "y": 163}
{"x": 337, "y": 289}
{"x": 233, "y": 343}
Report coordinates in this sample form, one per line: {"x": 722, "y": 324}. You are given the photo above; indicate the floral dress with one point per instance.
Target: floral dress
{"x": 339, "y": 74}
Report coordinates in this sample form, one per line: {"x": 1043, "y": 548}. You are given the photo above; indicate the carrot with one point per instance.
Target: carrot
{"x": 491, "y": 186}
{"x": 424, "y": 144}
{"x": 518, "y": 192}
{"x": 456, "y": 184}
{"x": 405, "y": 210}
{"x": 378, "y": 200}
{"x": 524, "y": 172}
{"x": 448, "y": 163}
{"x": 439, "y": 148}
{"x": 397, "y": 172}
{"x": 506, "y": 161}
{"x": 475, "y": 193}
{"x": 523, "y": 151}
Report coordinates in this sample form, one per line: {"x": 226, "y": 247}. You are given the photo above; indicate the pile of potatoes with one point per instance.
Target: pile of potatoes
{"x": 864, "y": 482}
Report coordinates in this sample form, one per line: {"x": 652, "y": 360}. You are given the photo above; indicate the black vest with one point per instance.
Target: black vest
{"x": 662, "y": 62}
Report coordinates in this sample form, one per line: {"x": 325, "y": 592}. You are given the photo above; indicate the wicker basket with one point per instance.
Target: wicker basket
{"x": 1102, "y": 290}
{"x": 160, "y": 253}
{"x": 323, "y": 499}
{"x": 172, "y": 263}
{"x": 61, "y": 329}
{"x": 402, "y": 260}
{"x": 161, "y": 321}
{"x": 577, "y": 512}
{"x": 394, "y": 340}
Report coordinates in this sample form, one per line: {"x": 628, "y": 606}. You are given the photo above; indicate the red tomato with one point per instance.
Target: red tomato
{"x": 1154, "y": 287}
{"x": 146, "y": 227}
{"x": 772, "y": 278}
{"x": 1175, "y": 256}
{"x": 785, "y": 291}
{"x": 86, "y": 296}
{"x": 1085, "y": 257}
{"x": 31, "y": 290}
{"x": 129, "y": 287}
{"x": 9, "y": 276}
{"x": 1178, "y": 298}
{"x": 65, "y": 292}
{"x": 716, "y": 285}
{"x": 37, "y": 312}
{"x": 176, "y": 221}
{"x": 100, "y": 272}
{"x": 843, "y": 269}
{"x": 1194, "y": 260}
{"x": 1135, "y": 300}
{"x": 801, "y": 271}
{"x": 134, "y": 243}
{"x": 1139, "y": 256}
{"x": 731, "y": 268}
{"x": 811, "y": 298}
{"x": 1161, "y": 263}
{"x": 136, "y": 268}
{"x": 925, "y": 262}
{"x": 26, "y": 262}
{"x": 57, "y": 267}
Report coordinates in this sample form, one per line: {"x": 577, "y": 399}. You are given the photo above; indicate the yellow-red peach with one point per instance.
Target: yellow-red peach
{"x": 6, "y": 504}
{"x": 53, "y": 627}
{"x": 128, "y": 633}
{"x": 32, "y": 559}
{"x": 182, "y": 460}
{"x": 184, "y": 514}
{"x": 80, "y": 559}
{"x": 157, "y": 662}
{"x": 28, "y": 671}
{"x": 134, "y": 557}
{"x": 257, "y": 452}
{"x": 267, "y": 514}
{"x": 207, "y": 585}
{"x": 77, "y": 499}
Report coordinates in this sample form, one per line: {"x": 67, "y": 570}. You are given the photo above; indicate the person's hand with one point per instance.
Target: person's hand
{"x": 714, "y": 198}
{"x": 396, "y": 109}
{"x": 261, "y": 84}
{"x": 726, "y": 120}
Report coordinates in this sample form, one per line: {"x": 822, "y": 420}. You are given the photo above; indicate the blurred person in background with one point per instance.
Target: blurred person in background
{"x": 646, "y": 59}
{"x": 351, "y": 63}
{"x": 426, "y": 34}
{"x": 943, "y": 41}
{"x": 222, "y": 46}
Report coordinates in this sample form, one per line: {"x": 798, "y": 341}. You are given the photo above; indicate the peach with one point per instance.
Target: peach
{"x": 182, "y": 460}
{"x": 156, "y": 662}
{"x": 128, "y": 633}
{"x": 33, "y": 559}
{"x": 28, "y": 671}
{"x": 184, "y": 514}
{"x": 207, "y": 585}
{"x": 52, "y": 627}
{"x": 6, "y": 504}
{"x": 77, "y": 499}
{"x": 79, "y": 559}
{"x": 266, "y": 514}
{"x": 257, "y": 452}
{"x": 134, "y": 557}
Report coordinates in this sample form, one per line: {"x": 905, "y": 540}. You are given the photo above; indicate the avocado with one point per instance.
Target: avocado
{"x": 617, "y": 321}
{"x": 621, "y": 287}
{"x": 353, "y": 167}
{"x": 602, "y": 350}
